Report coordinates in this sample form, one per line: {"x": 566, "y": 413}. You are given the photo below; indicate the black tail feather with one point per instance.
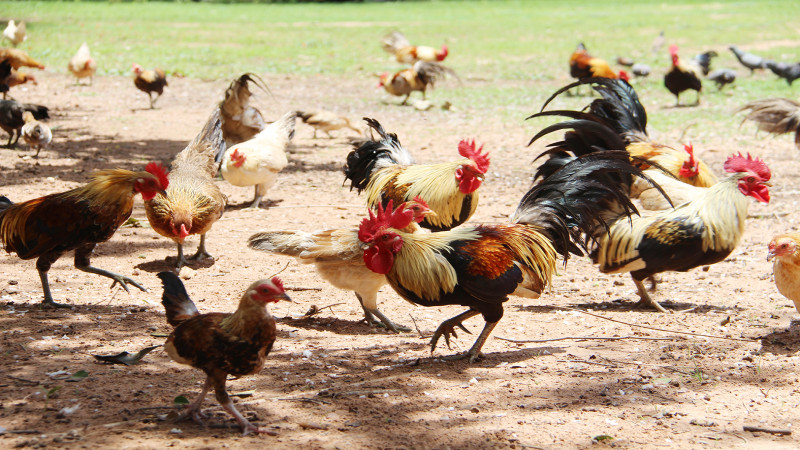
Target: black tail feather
{"x": 5, "y": 203}
{"x": 39, "y": 112}
{"x": 175, "y": 299}
{"x": 372, "y": 154}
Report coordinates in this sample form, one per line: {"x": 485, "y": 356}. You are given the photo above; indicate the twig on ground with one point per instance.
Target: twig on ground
{"x": 24, "y": 380}
{"x": 299, "y": 289}
{"x": 586, "y": 362}
{"x": 619, "y": 338}
{"x": 313, "y": 310}
{"x": 417, "y": 327}
{"x": 757, "y": 429}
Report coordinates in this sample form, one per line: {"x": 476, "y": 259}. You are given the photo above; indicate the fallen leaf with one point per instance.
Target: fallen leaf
{"x": 78, "y": 376}
{"x": 126, "y": 358}
{"x": 181, "y": 400}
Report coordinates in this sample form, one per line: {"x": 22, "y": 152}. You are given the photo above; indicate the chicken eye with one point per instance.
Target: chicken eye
{"x": 751, "y": 179}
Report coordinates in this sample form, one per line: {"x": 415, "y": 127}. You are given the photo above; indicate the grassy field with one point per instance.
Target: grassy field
{"x": 510, "y": 55}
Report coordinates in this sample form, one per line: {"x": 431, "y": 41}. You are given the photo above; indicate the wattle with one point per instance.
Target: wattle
{"x": 378, "y": 261}
{"x": 468, "y": 185}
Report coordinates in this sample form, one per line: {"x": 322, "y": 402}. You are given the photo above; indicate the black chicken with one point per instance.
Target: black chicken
{"x": 11, "y": 120}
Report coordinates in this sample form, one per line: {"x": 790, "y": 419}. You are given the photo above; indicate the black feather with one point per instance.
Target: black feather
{"x": 175, "y": 299}
{"x": 5, "y": 203}
{"x": 372, "y": 154}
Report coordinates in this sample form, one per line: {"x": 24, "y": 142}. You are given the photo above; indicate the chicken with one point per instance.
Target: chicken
{"x": 682, "y": 77}
{"x": 258, "y": 161}
{"x": 17, "y": 34}
{"x": 221, "y": 344}
{"x": 5, "y": 77}
{"x": 149, "y": 82}
{"x": 82, "y": 65}
{"x": 193, "y": 201}
{"x": 36, "y": 134}
{"x": 703, "y": 60}
{"x": 702, "y": 231}
{"x": 748, "y": 60}
{"x": 480, "y": 266}
{"x": 17, "y": 78}
{"x": 78, "y": 219}
{"x": 788, "y": 72}
{"x": 416, "y": 78}
{"x": 722, "y": 77}
{"x": 326, "y": 121}
{"x": 785, "y": 249}
{"x": 640, "y": 70}
{"x": 338, "y": 258}
{"x": 11, "y": 120}
{"x": 241, "y": 121}
{"x": 775, "y": 116}
{"x": 625, "y": 61}
{"x": 621, "y": 122}
{"x": 18, "y": 58}
{"x": 583, "y": 65}
{"x": 386, "y": 171}
{"x": 397, "y": 44}
{"x": 658, "y": 42}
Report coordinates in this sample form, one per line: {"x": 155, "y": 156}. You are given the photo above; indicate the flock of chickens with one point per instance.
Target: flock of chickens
{"x": 604, "y": 190}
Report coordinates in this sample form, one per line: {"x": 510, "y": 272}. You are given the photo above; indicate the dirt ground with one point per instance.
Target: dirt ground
{"x": 333, "y": 382}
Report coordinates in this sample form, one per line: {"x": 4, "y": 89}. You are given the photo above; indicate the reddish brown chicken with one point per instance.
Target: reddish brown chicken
{"x": 150, "y": 82}
{"x": 79, "y": 219}
{"x": 397, "y": 44}
{"x": 583, "y": 65}
{"x": 18, "y": 58}
{"x": 221, "y": 344}
{"x": 418, "y": 77}
{"x": 193, "y": 201}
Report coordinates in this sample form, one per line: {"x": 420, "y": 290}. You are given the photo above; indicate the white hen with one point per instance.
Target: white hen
{"x": 82, "y": 65}
{"x": 15, "y": 33}
{"x": 258, "y": 161}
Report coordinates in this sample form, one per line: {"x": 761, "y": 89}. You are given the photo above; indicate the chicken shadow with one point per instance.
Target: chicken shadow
{"x": 335, "y": 325}
{"x": 265, "y": 204}
{"x": 783, "y": 342}
{"x": 168, "y": 264}
{"x": 303, "y": 166}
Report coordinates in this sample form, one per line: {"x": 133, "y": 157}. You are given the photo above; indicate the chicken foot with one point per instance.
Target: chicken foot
{"x": 646, "y": 300}
{"x": 193, "y": 410}
{"x": 227, "y": 404}
{"x": 82, "y": 263}
{"x": 201, "y": 250}
{"x": 43, "y": 266}
{"x": 448, "y": 328}
{"x": 259, "y": 194}
{"x": 369, "y": 317}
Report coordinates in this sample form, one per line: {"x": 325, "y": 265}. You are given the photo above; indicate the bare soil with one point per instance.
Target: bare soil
{"x": 334, "y": 382}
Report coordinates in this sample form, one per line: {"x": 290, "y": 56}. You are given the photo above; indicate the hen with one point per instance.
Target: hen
{"x": 240, "y": 120}
{"x": 326, "y": 121}
{"x": 36, "y": 134}
{"x": 337, "y": 257}
{"x": 82, "y": 65}
{"x": 19, "y": 58}
{"x": 221, "y": 344}
{"x": 398, "y": 45}
{"x": 416, "y": 78}
{"x": 788, "y": 72}
{"x": 480, "y": 266}
{"x": 78, "y": 219}
{"x": 683, "y": 77}
{"x": 748, "y": 60}
{"x": 258, "y": 161}
{"x": 11, "y": 120}
{"x": 722, "y": 77}
{"x": 785, "y": 249}
{"x": 16, "y": 33}
{"x": 775, "y": 116}
{"x": 699, "y": 232}
{"x": 14, "y": 78}
{"x": 387, "y": 172}
{"x": 193, "y": 201}
{"x": 149, "y": 82}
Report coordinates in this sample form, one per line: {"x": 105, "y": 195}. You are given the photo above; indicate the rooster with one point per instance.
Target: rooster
{"x": 337, "y": 256}
{"x": 11, "y": 120}
{"x": 36, "y": 134}
{"x": 480, "y": 266}
{"x": 326, "y": 121}
{"x": 258, "y": 161}
{"x": 241, "y": 121}
{"x": 82, "y": 65}
{"x": 621, "y": 122}
{"x": 583, "y": 65}
{"x": 775, "y": 116}
{"x": 785, "y": 249}
{"x": 193, "y": 201}
{"x": 149, "y": 82}
{"x": 19, "y": 58}
{"x": 16, "y": 33}
{"x": 682, "y": 77}
{"x": 386, "y": 171}
{"x": 702, "y": 231}
{"x": 78, "y": 219}
{"x": 399, "y": 46}
{"x": 221, "y": 344}
{"x": 416, "y": 78}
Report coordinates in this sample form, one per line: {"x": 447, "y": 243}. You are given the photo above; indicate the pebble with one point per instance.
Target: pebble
{"x": 187, "y": 273}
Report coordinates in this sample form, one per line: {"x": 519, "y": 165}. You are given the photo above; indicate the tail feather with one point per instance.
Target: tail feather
{"x": 240, "y": 121}
{"x": 290, "y": 243}
{"x": 39, "y": 112}
{"x": 176, "y": 301}
{"x": 5, "y": 203}
{"x": 370, "y": 155}
{"x": 283, "y": 127}
{"x": 775, "y": 116}
{"x": 430, "y": 72}
{"x": 203, "y": 149}
{"x": 704, "y": 60}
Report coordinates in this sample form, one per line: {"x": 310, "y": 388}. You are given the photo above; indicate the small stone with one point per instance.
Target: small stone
{"x": 13, "y": 282}
{"x": 187, "y": 273}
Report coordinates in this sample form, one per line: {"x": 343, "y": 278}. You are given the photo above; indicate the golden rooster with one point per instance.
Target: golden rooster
{"x": 785, "y": 249}
{"x": 416, "y": 78}
{"x": 240, "y": 120}
{"x": 621, "y": 122}
{"x": 480, "y": 266}
{"x": 775, "y": 116}
{"x": 16, "y": 33}
{"x": 326, "y": 121}
{"x": 337, "y": 256}
{"x": 193, "y": 201}
{"x": 398, "y": 45}
{"x": 386, "y": 171}
{"x": 18, "y": 58}
{"x": 583, "y": 65}
{"x": 258, "y": 161}
{"x": 699, "y": 232}
{"x": 149, "y": 82}
{"x": 82, "y": 65}
{"x": 78, "y": 219}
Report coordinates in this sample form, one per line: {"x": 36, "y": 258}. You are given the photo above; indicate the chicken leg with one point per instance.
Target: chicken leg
{"x": 201, "y": 250}
{"x": 82, "y": 263}
{"x": 259, "y": 194}
{"x": 370, "y": 312}
{"x": 193, "y": 410}
{"x": 447, "y": 329}
{"x": 43, "y": 266}
{"x": 224, "y": 399}
{"x": 646, "y": 300}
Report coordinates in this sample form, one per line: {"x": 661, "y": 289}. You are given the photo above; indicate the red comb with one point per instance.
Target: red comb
{"x": 738, "y": 163}
{"x": 278, "y": 283}
{"x": 467, "y": 149}
{"x": 160, "y": 172}
{"x": 690, "y": 150}
{"x": 673, "y": 49}
{"x": 385, "y": 218}
{"x": 235, "y": 154}
{"x": 422, "y": 202}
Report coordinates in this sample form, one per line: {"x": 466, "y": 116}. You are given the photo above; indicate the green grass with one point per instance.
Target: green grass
{"x": 517, "y": 51}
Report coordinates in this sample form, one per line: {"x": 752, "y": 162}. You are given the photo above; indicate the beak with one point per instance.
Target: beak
{"x": 284, "y": 297}
{"x": 770, "y": 255}
{"x": 766, "y": 183}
